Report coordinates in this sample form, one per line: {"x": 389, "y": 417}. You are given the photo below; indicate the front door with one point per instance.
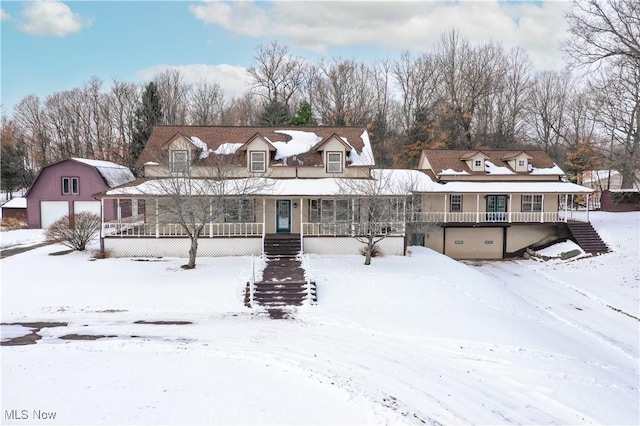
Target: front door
{"x": 283, "y": 216}
{"x": 496, "y": 208}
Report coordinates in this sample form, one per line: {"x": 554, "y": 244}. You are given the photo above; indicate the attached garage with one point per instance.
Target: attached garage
{"x": 50, "y": 211}
{"x": 86, "y": 206}
{"x": 474, "y": 243}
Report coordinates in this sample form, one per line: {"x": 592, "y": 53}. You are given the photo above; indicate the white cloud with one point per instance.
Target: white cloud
{"x": 234, "y": 80}
{"x": 51, "y": 18}
{"x": 4, "y": 15}
{"x": 395, "y": 26}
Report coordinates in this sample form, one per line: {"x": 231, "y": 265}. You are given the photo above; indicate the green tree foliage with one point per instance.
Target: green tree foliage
{"x": 147, "y": 115}
{"x": 303, "y": 116}
{"x": 275, "y": 113}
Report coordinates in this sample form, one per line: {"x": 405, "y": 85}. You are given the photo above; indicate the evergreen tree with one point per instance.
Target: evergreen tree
{"x": 275, "y": 113}
{"x": 303, "y": 116}
{"x": 147, "y": 115}
{"x": 14, "y": 174}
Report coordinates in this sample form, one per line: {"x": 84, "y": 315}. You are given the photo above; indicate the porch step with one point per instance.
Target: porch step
{"x": 587, "y": 237}
{"x": 277, "y": 245}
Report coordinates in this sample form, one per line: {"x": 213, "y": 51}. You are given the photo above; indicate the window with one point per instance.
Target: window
{"x": 258, "y": 162}
{"x": 180, "y": 161}
{"x": 334, "y": 162}
{"x": 329, "y": 211}
{"x": 70, "y": 185}
{"x": 477, "y": 163}
{"x": 521, "y": 163}
{"x": 532, "y": 203}
{"x": 455, "y": 204}
{"x": 239, "y": 210}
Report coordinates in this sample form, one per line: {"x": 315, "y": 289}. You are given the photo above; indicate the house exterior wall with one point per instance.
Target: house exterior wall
{"x": 474, "y": 243}
{"x": 434, "y": 239}
{"x": 520, "y": 237}
{"x": 14, "y": 213}
{"x": 48, "y": 187}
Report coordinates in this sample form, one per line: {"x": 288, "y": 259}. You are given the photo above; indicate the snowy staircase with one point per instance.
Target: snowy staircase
{"x": 283, "y": 279}
{"x": 587, "y": 237}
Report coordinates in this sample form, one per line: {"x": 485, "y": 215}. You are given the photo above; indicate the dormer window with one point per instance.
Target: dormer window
{"x": 477, "y": 164}
{"x": 334, "y": 162}
{"x": 258, "y": 163}
{"x": 180, "y": 161}
{"x": 521, "y": 163}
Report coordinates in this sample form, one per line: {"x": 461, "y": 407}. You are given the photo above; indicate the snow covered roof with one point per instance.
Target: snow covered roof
{"x": 16, "y": 203}
{"x": 451, "y": 162}
{"x": 512, "y": 188}
{"x": 393, "y": 182}
{"x": 301, "y": 142}
{"x": 112, "y": 173}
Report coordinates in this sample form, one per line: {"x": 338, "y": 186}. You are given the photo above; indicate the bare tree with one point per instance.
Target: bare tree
{"x": 602, "y": 30}
{"x": 379, "y": 206}
{"x": 74, "y": 232}
{"x": 206, "y": 104}
{"x": 277, "y": 76}
{"x": 173, "y": 96}
{"x": 196, "y": 196}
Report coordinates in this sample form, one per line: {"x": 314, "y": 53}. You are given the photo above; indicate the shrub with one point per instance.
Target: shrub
{"x": 12, "y": 223}
{"x": 75, "y": 235}
{"x": 101, "y": 254}
{"x": 375, "y": 251}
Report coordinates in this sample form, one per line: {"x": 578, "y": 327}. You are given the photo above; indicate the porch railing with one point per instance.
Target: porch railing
{"x": 149, "y": 229}
{"x": 492, "y": 217}
{"x": 334, "y": 229}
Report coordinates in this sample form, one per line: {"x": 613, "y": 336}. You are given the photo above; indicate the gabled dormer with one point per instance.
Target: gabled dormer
{"x": 181, "y": 151}
{"x": 518, "y": 161}
{"x": 258, "y": 153}
{"x": 475, "y": 160}
{"x": 335, "y": 152}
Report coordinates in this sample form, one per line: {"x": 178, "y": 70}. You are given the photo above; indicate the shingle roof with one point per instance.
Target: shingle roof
{"x": 452, "y": 159}
{"x": 215, "y": 136}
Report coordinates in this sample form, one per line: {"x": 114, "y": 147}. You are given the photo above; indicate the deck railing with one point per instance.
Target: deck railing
{"x": 141, "y": 229}
{"x": 334, "y": 229}
{"x": 493, "y": 217}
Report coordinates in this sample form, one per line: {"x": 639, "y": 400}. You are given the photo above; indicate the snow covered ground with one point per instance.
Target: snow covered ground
{"x": 406, "y": 340}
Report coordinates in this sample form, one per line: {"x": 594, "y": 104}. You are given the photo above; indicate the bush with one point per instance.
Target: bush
{"x": 101, "y": 254}
{"x": 75, "y": 235}
{"x": 375, "y": 251}
{"x": 12, "y": 223}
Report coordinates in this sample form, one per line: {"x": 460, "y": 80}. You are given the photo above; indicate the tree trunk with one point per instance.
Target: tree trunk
{"x": 193, "y": 250}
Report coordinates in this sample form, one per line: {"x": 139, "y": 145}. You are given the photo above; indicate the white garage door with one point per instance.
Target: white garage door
{"x": 86, "y": 206}
{"x": 50, "y": 211}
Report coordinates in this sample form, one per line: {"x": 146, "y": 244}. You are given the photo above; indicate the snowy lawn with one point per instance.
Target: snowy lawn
{"x": 412, "y": 339}
{"x": 21, "y": 237}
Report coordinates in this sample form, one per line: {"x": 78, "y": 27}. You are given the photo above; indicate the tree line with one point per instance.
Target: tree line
{"x": 459, "y": 94}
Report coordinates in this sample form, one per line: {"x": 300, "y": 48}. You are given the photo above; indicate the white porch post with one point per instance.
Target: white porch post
{"x": 477, "y": 208}
{"x": 210, "y": 217}
{"x": 566, "y": 206}
{"x": 264, "y": 222}
{"x": 404, "y": 214}
{"x": 542, "y": 210}
{"x": 445, "y": 207}
{"x": 134, "y": 207}
{"x": 119, "y": 210}
{"x": 157, "y": 218}
{"x": 301, "y": 222}
{"x": 101, "y": 223}
{"x": 588, "y": 206}
{"x": 510, "y": 206}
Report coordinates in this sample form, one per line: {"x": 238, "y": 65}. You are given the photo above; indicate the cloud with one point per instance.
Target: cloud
{"x": 395, "y": 26}
{"x": 51, "y": 18}
{"x": 4, "y": 15}
{"x": 234, "y": 80}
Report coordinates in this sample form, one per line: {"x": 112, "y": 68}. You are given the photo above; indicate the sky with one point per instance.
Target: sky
{"x": 52, "y": 46}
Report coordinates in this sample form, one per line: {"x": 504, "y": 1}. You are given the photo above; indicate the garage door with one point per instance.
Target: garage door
{"x": 86, "y": 206}
{"x": 474, "y": 243}
{"x": 50, "y": 211}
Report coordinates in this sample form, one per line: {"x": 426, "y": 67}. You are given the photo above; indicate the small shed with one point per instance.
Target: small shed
{"x": 16, "y": 208}
{"x": 68, "y": 187}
